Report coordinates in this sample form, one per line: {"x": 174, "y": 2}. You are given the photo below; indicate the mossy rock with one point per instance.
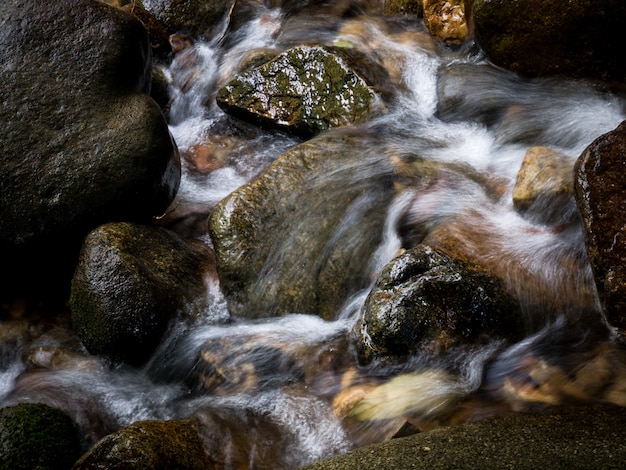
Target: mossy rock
{"x": 131, "y": 280}
{"x": 147, "y": 445}
{"x": 306, "y": 90}
{"x": 37, "y": 436}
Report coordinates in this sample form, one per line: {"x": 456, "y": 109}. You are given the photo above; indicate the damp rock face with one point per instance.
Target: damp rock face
{"x": 425, "y": 301}
{"x": 81, "y": 143}
{"x": 298, "y": 238}
{"x": 35, "y": 435}
{"x": 131, "y": 280}
{"x": 578, "y": 38}
{"x": 150, "y": 444}
{"x": 600, "y": 182}
{"x": 307, "y": 90}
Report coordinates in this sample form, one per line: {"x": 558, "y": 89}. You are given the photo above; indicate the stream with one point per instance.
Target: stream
{"x": 277, "y": 385}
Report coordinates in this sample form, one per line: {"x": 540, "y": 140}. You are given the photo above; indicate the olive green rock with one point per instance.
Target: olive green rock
{"x": 37, "y": 436}
{"x": 298, "y": 238}
{"x": 131, "y": 280}
{"x": 147, "y": 445}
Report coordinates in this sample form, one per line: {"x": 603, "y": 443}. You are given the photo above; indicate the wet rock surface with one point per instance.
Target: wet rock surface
{"x": 599, "y": 185}
{"x": 150, "y": 444}
{"x": 81, "y": 144}
{"x": 425, "y": 301}
{"x": 131, "y": 280}
{"x": 544, "y": 189}
{"x": 291, "y": 240}
{"x": 577, "y": 38}
{"x": 307, "y": 90}
{"x": 34, "y": 435}
{"x": 569, "y": 437}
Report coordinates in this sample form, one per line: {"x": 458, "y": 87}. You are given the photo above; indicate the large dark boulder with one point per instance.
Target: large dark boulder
{"x": 577, "y": 38}
{"x": 34, "y": 435}
{"x": 81, "y": 142}
{"x": 131, "y": 280}
{"x": 298, "y": 238}
{"x": 425, "y": 301}
{"x": 600, "y": 189}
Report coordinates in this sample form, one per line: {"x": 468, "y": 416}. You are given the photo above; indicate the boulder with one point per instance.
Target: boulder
{"x": 599, "y": 187}
{"x": 34, "y": 435}
{"x": 298, "y": 238}
{"x": 577, "y": 38}
{"x": 131, "y": 280}
{"x": 306, "y": 90}
{"x": 544, "y": 188}
{"x": 81, "y": 142}
{"x": 424, "y": 301}
{"x": 150, "y": 444}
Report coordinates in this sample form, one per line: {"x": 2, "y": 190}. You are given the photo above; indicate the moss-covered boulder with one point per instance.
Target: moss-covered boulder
{"x": 298, "y": 238}
{"x": 307, "y": 90}
{"x": 37, "y": 436}
{"x": 146, "y": 445}
{"x": 578, "y": 38}
{"x": 131, "y": 280}
{"x": 600, "y": 185}
{"x": 425, "y": 301}
{"x": 81, "y": 141}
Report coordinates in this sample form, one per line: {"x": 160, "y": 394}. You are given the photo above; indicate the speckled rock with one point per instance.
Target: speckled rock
{"x": 599, "y": 184}
{"x": 307, "y": 90}
{"x": 445, "y": 19}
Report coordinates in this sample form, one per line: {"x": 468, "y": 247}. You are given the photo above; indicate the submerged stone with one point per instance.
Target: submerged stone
{"x": 298, "y": 238}
{"x": 307, "y": 90}
{"x": 600, "y": 182}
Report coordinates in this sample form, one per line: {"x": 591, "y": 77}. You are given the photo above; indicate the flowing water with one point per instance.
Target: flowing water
{"x": 272, "y": 391}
